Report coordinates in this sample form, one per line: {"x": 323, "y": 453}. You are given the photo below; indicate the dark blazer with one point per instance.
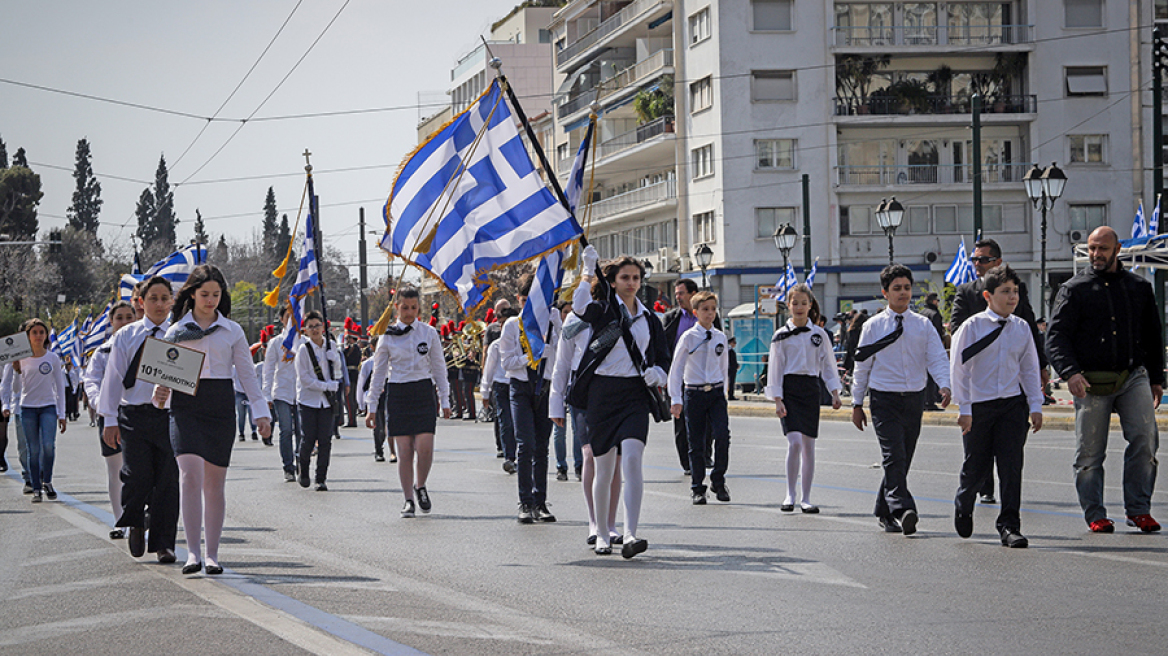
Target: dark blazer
{"x": 672, "y": 320}
{"x": 968, "y": 301}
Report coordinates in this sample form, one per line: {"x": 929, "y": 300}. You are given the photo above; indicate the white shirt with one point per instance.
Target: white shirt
{"x": 280, "y": 374}
{"x": 514, "y": 360}
{"x": 698, "y": 360}
{"x": 617, "y": 364}
{"x": 569, "y": 352}
{"x": 42, "y": 383}
{"x": 805, "y": 354}
{"x": 493, "y": 372}
{"x": 416, "y": 355}
{"x": 904, "y": 365}
{"x": 310, "y": 389}
{"x": 1002, "y": 369}
{"x": 94, "y": 373}
{"x": 227, "y": 352}
{"x": 363, "y": 401}
{"x": 123, "y": 345}
{"x": 10, "y": 390}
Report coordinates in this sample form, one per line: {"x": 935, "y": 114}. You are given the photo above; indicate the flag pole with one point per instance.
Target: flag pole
{"x": 314, "y": 212}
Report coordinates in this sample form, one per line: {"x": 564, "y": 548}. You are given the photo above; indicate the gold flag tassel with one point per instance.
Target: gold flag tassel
{"x": 272, "y": 298}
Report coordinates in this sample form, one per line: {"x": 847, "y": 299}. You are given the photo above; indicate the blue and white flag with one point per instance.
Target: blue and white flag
{"x": 535, "y": 317}
{"x": 810, "y": 281}
{"x": 575, "y": 187}
{"x": 176, "y": 268}
{"x": 137, "y": 270}
{"x": 307, "y": 280}
{"x": 126, "y": 285}
{"x": 1139, "y": 225}
{"x": 469, "y": 201}
{"x": 785, "y": 283}
{"x": 54, "y": 343}
{"x": 961, "y": 270}
{"x": 96, "y": 335}
{"x": 66, "y": 341}
{"x": 1154, "y": 222}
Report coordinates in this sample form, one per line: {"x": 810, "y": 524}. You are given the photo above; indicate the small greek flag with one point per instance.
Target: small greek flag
{"x": 307, "y": 280}
{"x": 961, "y": 271}
{"x": 67, "y": 340}
{"x": 535, "y": 317}
{"x": 96, "y": 335}
{"x": 811, "y": 276}
{"x": 1139, "y": 225}
{"x": 785, "y": 283}
{"x": 1154, "y": 222}
{"x": 576, "y": 178}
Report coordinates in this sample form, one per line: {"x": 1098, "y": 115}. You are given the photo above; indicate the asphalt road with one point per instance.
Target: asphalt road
{"x": 340, "y": 572}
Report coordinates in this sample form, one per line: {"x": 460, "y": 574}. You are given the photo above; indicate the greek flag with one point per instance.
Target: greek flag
{"x": 137, "y": 270}
{"x": 535, "y": 317}
{"x": 175, "y": 267}
{"x": 96, "y": 335}
{"x": 1154, "y": 222}
{"x": 961, "y": 271}
{"x": 785, "y": 283}
{"x": 1139, "y": 225}
{"x": 469, "y": 201}
{"x": 54, "y": 343}
{"x": 67, "y": 340}
{"x": 576, "y": 177}
{"x": 810, "y": 281}
{"x": 307, "y": 280}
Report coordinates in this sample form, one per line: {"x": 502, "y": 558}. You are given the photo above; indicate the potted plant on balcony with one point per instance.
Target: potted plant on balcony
{"x": 853, "y": 78}
{"x": 655, "y": 104}
{"x": 911, "y": 96}
{"x": 941, "y": 80}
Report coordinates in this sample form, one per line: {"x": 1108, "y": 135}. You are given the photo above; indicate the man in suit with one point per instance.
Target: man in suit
{"x": 676, "y": 322}
{"x": 932, "y": 311}
{"x": 732, "y": 374}
{"x": 969, "y": 301}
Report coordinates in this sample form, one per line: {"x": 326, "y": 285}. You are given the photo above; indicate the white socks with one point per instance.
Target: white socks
{"x": 632, "y": 454}
{"x": 113, "y": 467}
{"x": 201, "y": 489}
{"x": 602, "y": 494}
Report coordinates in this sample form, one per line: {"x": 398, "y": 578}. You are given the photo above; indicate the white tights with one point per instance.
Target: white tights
{"x": 800, "y": 447}
{"x": 587, "y": 476}
{"x": 113, "y": 470}
{"x": 204, "y": 505}
{"x": 632, "y": 454}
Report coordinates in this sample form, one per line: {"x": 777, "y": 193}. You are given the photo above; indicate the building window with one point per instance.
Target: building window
{"x": 1088, "y": 217}
{"x": 771, "y": 15}
{"x": 703, "y": 161}
{"x": 768, "y": 86}
{"x": 774, "y": 153}
{"x": 703, "y": 228}
{"x": 701, "y": 94}
{"x": 768, "y": 219}
{"x": 1087, "y": 81}
{"x": 1087, "y": 148}
{"x": 545, "y": 36}
{"x": 699, "y": 26}
{"x": 1161, "y": 9}
{"x": 916, "y": 220}
{"x": 1084, "y": 13}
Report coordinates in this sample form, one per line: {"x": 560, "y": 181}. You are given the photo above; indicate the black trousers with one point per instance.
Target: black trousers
{"x": 317, "y": 425}
{"x": 998, "y": 433}
{"x": 706, "y": 413}
{"x": 681, "y": 441}
{"x": 379, "y": 427}
{"x": 896, "y": 418}
{"x": 351, "y": 398}
{"x": 149, "y": 474}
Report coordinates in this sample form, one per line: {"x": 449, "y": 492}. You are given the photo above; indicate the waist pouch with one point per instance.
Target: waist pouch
{"x": 1105, "y": 383}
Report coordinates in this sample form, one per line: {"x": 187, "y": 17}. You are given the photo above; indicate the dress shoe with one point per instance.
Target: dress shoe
{"x": 635, "y": 547}
{"x": 542, "y": 514}
{"x": 561, "y": 473}
{"x": 36, "y": 496}
{"x": 255, "y": 436}
{"x": 963, "y": 522}
{"x": 378, "y": 457}
{"x": 267, "y": 441}
{"x": 393, "y": 457}
{"x": 499, "y": 453}
{"x": 50, "y": 493}
{"x": 1143, "y": 522}
{"x": 1102, "y": 526}
{"x": 616, "y": 539}
{"x": 722, "y": 494}
{"x": 213, "y": 570}
{"x": 591, "y": 540}
{"x": 685, "y": 473}
{"x": 787, "y": 507}
{"x": 289, "y": 477}
{"x": 987, "y": 499}
{"x": 509, "y": 466}
{"x": 3, "y": 465}
{"x": 137, "y": 541}
{"x": 27, "y": 487}
{"x": 699, "y": 498}
{"x": 242, "y": 438}
{"x": 304, "y": 482}
{"x": 908, "y": 521}
{"x": 1013, "y": 539}
{"x": 603, "y": 550}
{"x": 321, "y": 487}
{"x": 526, "y": 516}
{"x": 809, "y": 508}
{"x": 117, "y": 534}
{"x": 889, "y": 524}
{"x": 192, "y": 568}
{"x": 166, "y": 556}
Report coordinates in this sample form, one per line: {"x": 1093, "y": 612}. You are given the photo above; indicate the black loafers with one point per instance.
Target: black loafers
{"x": 908, "y": 521}
{"x": 137, "y": 541}
{"x": 214, "y": 570}
{"x": 1013, "y": 539}
{"x": 192, "y": 568}
{"x": 889, "y": 524}
{"x": 635, "y": 547}
{"x": 963, "y": 523}
{"x": 166, "y": 556}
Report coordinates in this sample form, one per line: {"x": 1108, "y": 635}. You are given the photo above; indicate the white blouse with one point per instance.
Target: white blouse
{"x": 569, "y": 353}
{"x": 698, "y": 361}
{"x": 805, "y": 354}
{"x": 414, "y": 356}
{"x": 618, "y": 363}
{"x": 227, "y": 351}
{"x": 310, "y": 389}
{"x": 123, "y": 346}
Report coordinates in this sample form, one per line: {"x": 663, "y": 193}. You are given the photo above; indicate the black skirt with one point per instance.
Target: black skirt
{"x": 801, "y": 396}
{"x": 618, "y": 409}
{"x": 204, "y": 424}
{"x": 410, "y": 408}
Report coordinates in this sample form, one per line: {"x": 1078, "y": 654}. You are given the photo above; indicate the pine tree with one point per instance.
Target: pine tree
{"x": 20, "y": 159}
{"x": 222, "y": 253}
{"x": 268, "y": 230}
{"x": 164, "y": 218}
{"x": 284, "y": 240}
{"x": 20, "y": 193}
{"x": 147, "y": 231}
{"x": 200, "y": 228}
{"x": 3, "y": 155}
{"x": 83, "y": 213}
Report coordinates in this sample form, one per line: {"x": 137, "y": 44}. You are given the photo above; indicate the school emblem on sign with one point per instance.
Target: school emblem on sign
{"x": 9, "y": 341}
{"x": 423, "y": 348}
{"x": 46, "y": 368}
{"x": 817, "y": 339}
{"x": 172, "y": 354}
{"x": 719, "y": 349}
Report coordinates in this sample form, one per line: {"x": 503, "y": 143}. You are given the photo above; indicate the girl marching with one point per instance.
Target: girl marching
{"x": 42, "y": 406}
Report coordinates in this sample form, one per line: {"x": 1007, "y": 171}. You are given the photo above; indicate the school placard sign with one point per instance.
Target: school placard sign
{"x": 15, "y": 347}
{"x": 171, "y": 365}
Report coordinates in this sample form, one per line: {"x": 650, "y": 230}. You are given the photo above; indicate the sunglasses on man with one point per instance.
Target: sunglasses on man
{"x": 983, "y": 259}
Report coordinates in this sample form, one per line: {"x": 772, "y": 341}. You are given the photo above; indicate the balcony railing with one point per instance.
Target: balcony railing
{"x": 638, "y": 198}
{"x": 614, "y": 23}
{"x": 632, "y": 75}
{"x": 1021, "y": 104}
{"x": 623, "y": 142}
{"x": 932, "y": 35}
{"x": 915, "y": 174}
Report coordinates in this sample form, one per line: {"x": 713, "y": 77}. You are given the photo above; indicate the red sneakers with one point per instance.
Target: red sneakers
{"x": 1143, "y": 522}
{"x": 1102, "y": 526}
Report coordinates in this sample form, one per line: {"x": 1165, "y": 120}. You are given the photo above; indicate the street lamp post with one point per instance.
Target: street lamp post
{"x": 704, "y": 255}
{"x": 1044, "y": 187}
{"x": 889, "y": 214}
{"x": 785, "y": 237}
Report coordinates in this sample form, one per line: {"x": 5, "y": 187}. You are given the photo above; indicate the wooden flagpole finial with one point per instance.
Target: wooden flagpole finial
{"x": 307, "y": 163}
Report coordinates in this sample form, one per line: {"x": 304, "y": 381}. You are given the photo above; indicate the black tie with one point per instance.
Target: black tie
{"x": 709, "y": 336}
{"x": 868, "y": 350}
{"x": 981, "y": 344}
{"x": 781, "y": 335}
{"x": 398, "y": 332}
{"x": 131, "y": 377}
{"x": 192, "y": 332}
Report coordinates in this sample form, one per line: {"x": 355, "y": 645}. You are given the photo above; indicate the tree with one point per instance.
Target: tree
{"x": 76, "y": 264}
{"x": 144, "y": 212}
{"x": 20, "y": 193}
{"x": 284, "y": 240}
{"x": 164, "y": 217}
{"x": 3, "y": 155}
{"x": 20, "y": 159}
{"x": 83, "y": 213}
{"x": 222, "y": 253}
{"x": 268, "y": 230}
{"x": 200, "y": 228}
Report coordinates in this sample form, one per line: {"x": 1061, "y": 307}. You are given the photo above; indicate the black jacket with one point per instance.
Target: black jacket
{"x": 671, "y": 322}
{"x": 1106, "y": 322}
{"x": 968, "y": 301}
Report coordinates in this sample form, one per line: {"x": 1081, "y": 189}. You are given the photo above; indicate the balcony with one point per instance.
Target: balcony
{"x": 623, "y": 142}
{"x": 634, "y": 200}
{"x": 884, "y": 105}
{"x": 869, "y": 36}
{"x": 615, "y": 23}
{"x": 927, "y": 174}
{"x": 649, "y": 67}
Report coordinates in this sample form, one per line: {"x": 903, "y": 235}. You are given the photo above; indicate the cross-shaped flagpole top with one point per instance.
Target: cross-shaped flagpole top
{"x": 307, "y": 163}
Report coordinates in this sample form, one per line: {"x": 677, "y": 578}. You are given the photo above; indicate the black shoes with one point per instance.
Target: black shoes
{"x": 379, "y": 457}
{"x": 27, "y": 487}
{"x": 635, "y": 547}
{"x": 542, "y": 514}
{"x": 509, "y": 466}
{"x": 213, "y": 570}
{"x": 408, "y": 508}
{"x": 423, "y": 498}
{"x": 809, "y": 508}
{"x": 304, "y": 482}
{"x": 1013, "y": 539}
{"x": 526, "y": 515}
{"x": 289, "y": 477}
{"x": 561, "y": 473}
{"x": 166, "y": 556}
{"x": 987, "y": 499}
{"x": 117, "y": 534}
{"x": 499, "y": 453}
{"x": 3, "y": 465}
{"x": 268, "y": 441}
{"x": 393, "y": 457}
{"x": 255, "y": 436}
{"x": 963, "y": 523}
{"x": 889, "y": 524}
{"x": 787, "y": 507}
{"x": 321, "y": 487}
{"x": 137, "y": 541}
{"x": 192, "y": 568}
{"x": 722, "y": 494}
{"x": 50, "y": 493}
{"x": 699, "y": 498}
{"x": 242, "y": 438}
{"x": 908, "y": 521}
{"x": 36, "y": 496}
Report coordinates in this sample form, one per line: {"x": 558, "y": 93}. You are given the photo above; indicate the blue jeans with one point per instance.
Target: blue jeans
{"x": 560, "y": 439}
{"x": 533, "y": 428}
{"x": 289, "y": 421}
{"x": 502, "y": 400}
{"x": 40, "y": 430}
{"x": 1137, "y": 418}
{"x": 243, "y": 412}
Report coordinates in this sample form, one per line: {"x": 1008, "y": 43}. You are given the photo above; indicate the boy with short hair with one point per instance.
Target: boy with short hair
{"x": 996, "y": 382}
{"x": 891, "y": 370}
{"x": 696, "y": 381}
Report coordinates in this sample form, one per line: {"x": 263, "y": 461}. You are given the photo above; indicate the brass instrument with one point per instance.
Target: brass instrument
{"x": 460, "y": 350}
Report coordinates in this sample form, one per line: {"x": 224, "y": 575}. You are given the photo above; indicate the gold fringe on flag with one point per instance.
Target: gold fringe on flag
{"x": 383, "y": 322}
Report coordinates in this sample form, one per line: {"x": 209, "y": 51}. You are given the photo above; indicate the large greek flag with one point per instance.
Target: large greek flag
{"x": 961, "y": 271}
{"x": 96, "y": 335}
{"x": 469, "y": 201}
{"x": 307, "y": 280}
{"x": 176, "y": 268}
